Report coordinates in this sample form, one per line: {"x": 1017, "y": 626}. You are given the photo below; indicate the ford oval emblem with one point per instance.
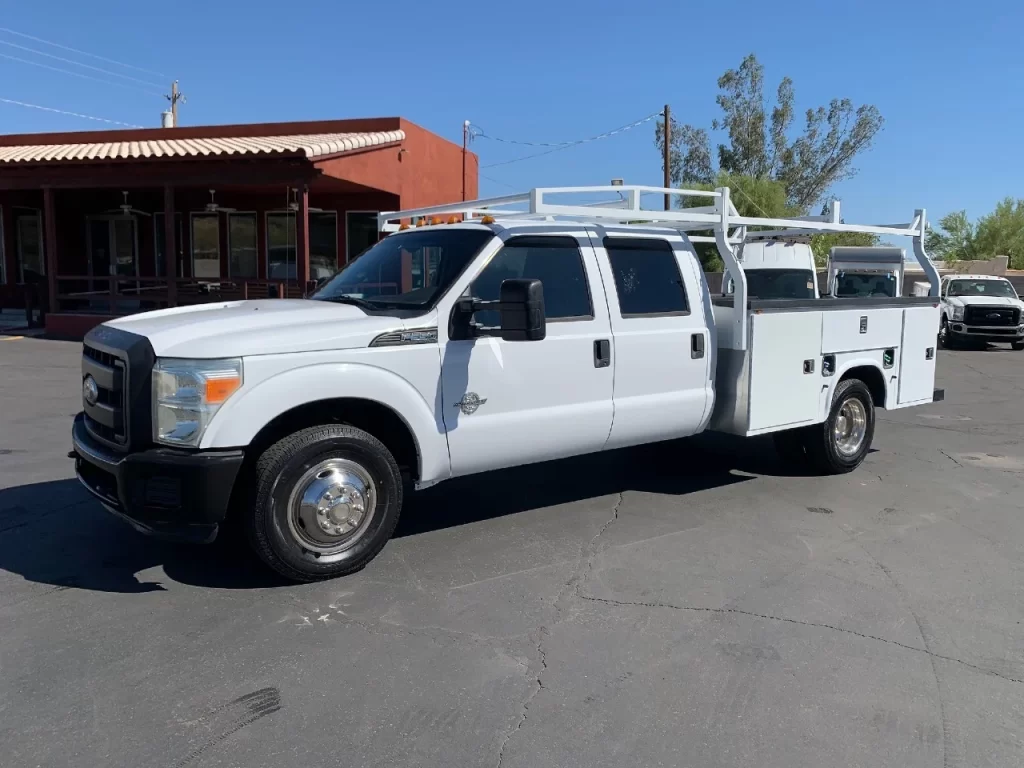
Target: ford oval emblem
{"x": 90, "y": 391}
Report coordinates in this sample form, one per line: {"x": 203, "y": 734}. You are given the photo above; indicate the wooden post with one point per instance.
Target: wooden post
{"x": 302, "y": 238}
{"x": 50, "y": 248}
{"x": 170, "y": 247}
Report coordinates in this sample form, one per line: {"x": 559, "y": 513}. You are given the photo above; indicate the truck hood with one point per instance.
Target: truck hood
{"x": 265, "y": 327}
{"x": 984, "y": 301}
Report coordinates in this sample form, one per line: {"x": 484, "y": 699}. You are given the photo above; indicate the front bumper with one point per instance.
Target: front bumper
{"x": 991, "y": 334}
{"x": 164, "y": 492}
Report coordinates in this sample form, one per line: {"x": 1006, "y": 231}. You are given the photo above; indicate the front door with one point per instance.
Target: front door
{"x": 506, "y": 403}
{"x": 113, "y": 246}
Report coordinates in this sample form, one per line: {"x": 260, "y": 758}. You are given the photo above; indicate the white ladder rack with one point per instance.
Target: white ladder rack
{"x": 728, "y": 228}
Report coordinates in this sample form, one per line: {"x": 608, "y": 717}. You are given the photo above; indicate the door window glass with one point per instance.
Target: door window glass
{"x": 242, "y": 245}
{"x": 158, "y": 243}
{"x": 323, "y": 244}
{"x": 647, "y": 277}
{"x": 206, "y": 245}
{"x": 28, "y": 229}
{"x": 360, "y": 232}
{"x": 555, "y": 261}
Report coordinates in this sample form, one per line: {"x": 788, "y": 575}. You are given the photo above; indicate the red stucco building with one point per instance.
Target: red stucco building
{"x": 92, "y": 223}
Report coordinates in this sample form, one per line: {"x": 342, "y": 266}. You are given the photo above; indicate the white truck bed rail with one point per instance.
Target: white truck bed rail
{"x": 729, "y": 229}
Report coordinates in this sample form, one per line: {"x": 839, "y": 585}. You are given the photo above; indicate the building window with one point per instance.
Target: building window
{"x": 206, "y": 245}
{"x": 242, "y": 248}
{"x": 323, "y": 244}
{"x": 3, "y": 255}
{"x": 281, "y": 246}
{"x": 28, "y": 234}
{"x": 158, "y": 244}
{"x": 360, "y": 232}
{"x": 281, "y": 250}
{"x": 647, "y": 278}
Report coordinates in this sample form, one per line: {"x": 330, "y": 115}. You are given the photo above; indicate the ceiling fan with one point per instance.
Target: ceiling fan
{"x": 293, "y": 205}
{"x": 125, "y": 209}
{"x": 212, "y": 207}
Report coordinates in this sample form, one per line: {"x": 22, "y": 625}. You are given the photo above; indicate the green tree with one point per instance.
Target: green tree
{"x": 953, "y": 240}
{"x": 759, "y": 143}
{"x": 1001, "y": 233}
{"x": 826, "y": 241}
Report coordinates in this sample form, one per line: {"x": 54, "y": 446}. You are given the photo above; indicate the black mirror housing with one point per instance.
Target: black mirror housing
{"x": 522, "y": 310}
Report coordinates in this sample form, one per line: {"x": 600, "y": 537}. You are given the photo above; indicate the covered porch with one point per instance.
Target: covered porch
{"x": 92, "y": 230}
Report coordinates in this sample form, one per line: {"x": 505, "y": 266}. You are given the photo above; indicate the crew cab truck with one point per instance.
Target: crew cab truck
{"x": 978, "y": 309}
{"x": 503, "y": 332}
{"x": 865, "y": 271}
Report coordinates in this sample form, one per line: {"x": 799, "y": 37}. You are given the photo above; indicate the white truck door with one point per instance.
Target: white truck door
{"x": 661, "y": 346}
{"x": 507, "y": 403}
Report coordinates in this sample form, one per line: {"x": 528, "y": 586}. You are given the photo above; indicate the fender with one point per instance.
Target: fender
{"x": 253, "y": 407}
{"x": 845, "y": 363}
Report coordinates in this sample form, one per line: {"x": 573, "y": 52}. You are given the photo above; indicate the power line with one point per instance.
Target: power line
{"x": 80, "y": 53}
{"x": 77, "y": 63}
{"x": 79, "y": 74}
{"x": 567, "y": 144}
{"x": 71, "y": 114}
{"x": 496, "y": 181}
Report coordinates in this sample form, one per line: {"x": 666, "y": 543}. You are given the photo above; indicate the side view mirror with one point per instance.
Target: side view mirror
{"x": 521, "y": 303}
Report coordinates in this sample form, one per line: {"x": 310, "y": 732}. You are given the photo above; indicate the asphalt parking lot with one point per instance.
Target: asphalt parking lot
{"x": 684, "y": 604}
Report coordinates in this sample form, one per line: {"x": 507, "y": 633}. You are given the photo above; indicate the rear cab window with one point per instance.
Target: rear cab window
{"x": 648, "y": 281}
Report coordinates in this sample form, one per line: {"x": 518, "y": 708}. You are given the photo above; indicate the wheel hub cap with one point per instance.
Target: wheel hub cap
{"x": 850, "y": 427}
{"x": 331, "y": 506}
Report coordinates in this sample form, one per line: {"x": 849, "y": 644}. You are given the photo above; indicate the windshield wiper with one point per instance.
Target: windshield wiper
{"x": 355, "y": 301}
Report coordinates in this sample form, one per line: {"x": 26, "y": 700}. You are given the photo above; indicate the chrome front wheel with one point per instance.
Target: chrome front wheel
{"x": 331, "y": 506}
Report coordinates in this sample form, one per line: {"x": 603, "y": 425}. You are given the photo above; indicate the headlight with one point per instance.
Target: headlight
{"x": 958, "y": 313}
{"x": 187, "y": 394}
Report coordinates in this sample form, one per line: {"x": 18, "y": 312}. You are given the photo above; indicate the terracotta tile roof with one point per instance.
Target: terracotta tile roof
{"x": 311, "y": 147}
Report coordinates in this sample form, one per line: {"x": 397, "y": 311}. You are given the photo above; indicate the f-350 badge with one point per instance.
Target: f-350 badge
{"x": 470, "y": 402}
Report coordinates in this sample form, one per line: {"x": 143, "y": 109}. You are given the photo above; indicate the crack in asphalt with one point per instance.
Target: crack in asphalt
{"x": 787, "y": 620}
{"x": 525, "y": 707}
{"x": 571, "y": 588}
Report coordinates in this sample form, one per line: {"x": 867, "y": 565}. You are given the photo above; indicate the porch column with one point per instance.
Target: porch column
{"x": 302, "y": 237}
{"x": 50, "y": 247}
{"x": 170, "y": 247}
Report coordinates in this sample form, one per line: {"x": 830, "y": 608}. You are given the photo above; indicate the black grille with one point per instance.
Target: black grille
{"x": 107, "y": 418}
{"x": 992, "y": 316}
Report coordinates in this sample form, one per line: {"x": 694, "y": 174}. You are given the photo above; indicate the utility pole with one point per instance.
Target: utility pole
{"x": 174, "y": 98}
{"x": 465, "y": 141}
{"x": 668, "y": 170}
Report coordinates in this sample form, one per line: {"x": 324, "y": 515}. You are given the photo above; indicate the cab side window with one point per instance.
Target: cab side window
{"x": 647, "y": 277}
{"x": 555, "y": 261}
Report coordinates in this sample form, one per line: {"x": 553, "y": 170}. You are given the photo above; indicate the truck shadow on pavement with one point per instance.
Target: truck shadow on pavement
{"x": 54, "y": 533}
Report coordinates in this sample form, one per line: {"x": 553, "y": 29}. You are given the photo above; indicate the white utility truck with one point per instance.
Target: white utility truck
{"x": 775, "y": 268}
{"x": 978, "y": 309}
{"x": 506, "y": 331}
{"x": 875, "y": 271}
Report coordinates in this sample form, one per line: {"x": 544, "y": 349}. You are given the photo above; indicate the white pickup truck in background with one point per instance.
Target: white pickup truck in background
{"x": 980, "y": 308}
{"x": 504, "y": 332}
{"x": 865, "y": 271}
{"x": 776, "y": 268}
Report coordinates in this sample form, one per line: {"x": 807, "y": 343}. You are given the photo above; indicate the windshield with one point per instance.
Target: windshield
{"x": 780, "y": 283}
{"x": 852, "y": 284}
{"x": 408, "y": 270}
{"x": 999, "y": 288}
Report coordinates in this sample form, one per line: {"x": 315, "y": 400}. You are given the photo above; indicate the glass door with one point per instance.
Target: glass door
{"x": 113, "y": 251}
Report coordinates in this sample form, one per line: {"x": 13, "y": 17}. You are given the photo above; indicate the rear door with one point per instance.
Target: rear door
{"x": 506, "y": 403}
{"x": 661, "y": 347}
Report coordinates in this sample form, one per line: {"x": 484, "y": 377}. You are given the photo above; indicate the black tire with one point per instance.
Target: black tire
{"x": 274, "y": 530}
{"x": 1017, "y": 345}
{"x": 945, "y": 335}
{"x": 823, "y": 448}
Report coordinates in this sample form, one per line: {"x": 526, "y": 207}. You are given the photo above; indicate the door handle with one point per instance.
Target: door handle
{"x": 602, "y": 353}
{"x": 696, "y": 346}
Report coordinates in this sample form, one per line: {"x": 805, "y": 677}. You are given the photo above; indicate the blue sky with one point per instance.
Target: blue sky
{"x": 948, "y": 78}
